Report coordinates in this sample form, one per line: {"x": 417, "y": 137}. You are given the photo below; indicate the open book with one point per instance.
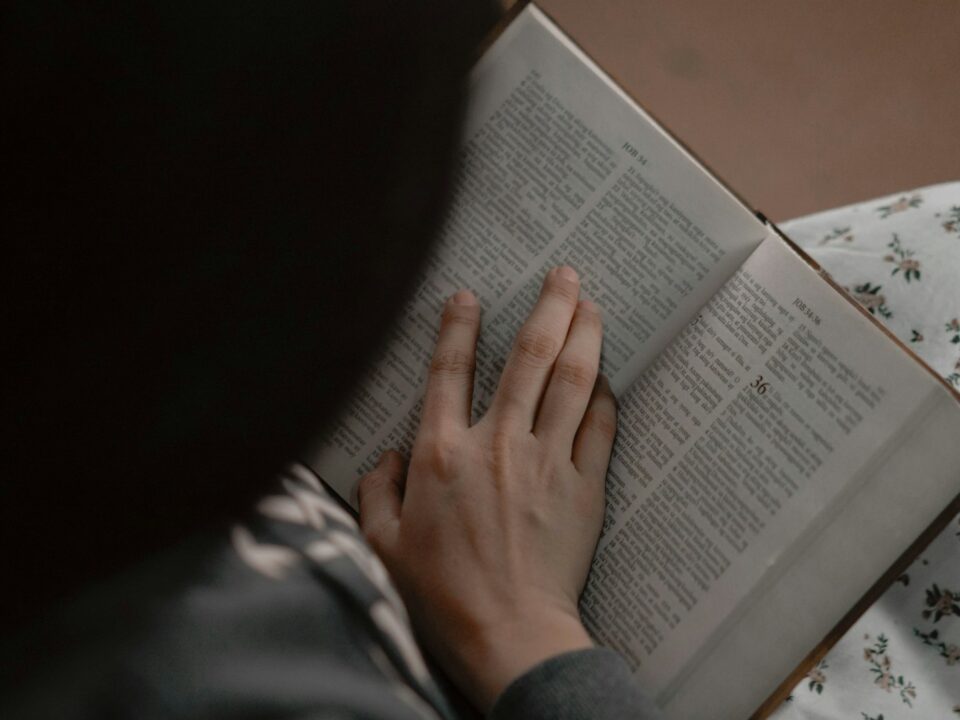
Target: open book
{"x": 777, "y": 451}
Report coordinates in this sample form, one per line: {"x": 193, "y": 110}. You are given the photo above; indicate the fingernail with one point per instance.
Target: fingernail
{"x": 589, "y": 306}
{"x": 568, "y": 273}
{"x": 464, "y": 297}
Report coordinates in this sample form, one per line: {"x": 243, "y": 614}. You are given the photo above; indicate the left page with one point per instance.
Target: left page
{"x": 559, "y": 166}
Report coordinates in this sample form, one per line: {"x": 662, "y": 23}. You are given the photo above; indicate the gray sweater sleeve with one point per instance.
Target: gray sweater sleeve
{"x": 286, "y": 615}
{"x": 593, "y": 684}
{"x": 290, "y": 616}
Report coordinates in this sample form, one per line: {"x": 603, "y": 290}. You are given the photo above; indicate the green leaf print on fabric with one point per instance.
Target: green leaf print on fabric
{"x": 941, "y": 603}
{"x": 870, "y": 297}
{"x": 903, "y": 259}
{"x": 904, "y": 203}
{"x": 840, "y": 233}
{"x": 882, "y": 668}
{"x": 953, "y": 328}
{"x": 952, "y": 223}
{"x": 948, "y": 651}
{"x": 816, "y": 677}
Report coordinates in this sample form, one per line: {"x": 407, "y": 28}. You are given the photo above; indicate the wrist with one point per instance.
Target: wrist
{"x": 498, "y": 654}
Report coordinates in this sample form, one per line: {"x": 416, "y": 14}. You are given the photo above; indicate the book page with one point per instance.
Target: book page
{"x": 836, "y": 562}
{"x": 755, "y": 429}
{"x": 558, "y": 167}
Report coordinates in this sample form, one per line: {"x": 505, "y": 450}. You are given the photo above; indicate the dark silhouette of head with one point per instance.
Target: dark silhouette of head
{"x": 210, "y": 213}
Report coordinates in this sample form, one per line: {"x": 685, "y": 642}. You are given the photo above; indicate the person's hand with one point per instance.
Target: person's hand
{"x": 490, "y": 533}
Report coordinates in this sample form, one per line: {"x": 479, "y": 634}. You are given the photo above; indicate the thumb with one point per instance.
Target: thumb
{"x": 380, "y": 499}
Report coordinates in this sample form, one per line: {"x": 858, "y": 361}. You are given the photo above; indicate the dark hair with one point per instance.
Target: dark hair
{"x": 211, "y": 213}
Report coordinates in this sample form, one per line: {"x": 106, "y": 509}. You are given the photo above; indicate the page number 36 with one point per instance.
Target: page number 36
{"x": 760, "y": 385}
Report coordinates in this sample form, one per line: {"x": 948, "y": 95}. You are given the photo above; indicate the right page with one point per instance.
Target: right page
{"x": 778, "y": 419}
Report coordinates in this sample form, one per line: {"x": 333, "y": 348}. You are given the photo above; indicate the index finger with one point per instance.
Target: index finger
{"x": 449, "y": 393}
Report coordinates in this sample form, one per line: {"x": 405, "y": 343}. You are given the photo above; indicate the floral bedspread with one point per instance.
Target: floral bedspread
{"x": 899, "y": 257}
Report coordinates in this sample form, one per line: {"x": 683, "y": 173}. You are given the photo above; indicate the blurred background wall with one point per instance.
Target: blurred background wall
{"x": 799, "y": 105}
